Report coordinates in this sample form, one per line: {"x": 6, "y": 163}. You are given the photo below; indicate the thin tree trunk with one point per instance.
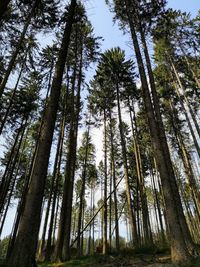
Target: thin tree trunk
{"x": 97, "y": 212}
{"x": 13, "y": 181}
{"x": 189, "y": 65}
{"x": 13, "y": 94}
{"x": 7, "y": 176}
{"x": 82, "y": 194}
{"x": 67, "y": 239}
{"x": 114, "y": 184}
{"x": 17, "y": 49}
{"x": 185, "y": 98}
{"x": 125, "y": 162}
{"x": 105, "y": 210}
{"x": 188, "y": 122}
{"x": 110, "y": 213}
{"x": 140, "y": 177}
{"x": 157, "y": 201}
{"x": 55, "y": 184}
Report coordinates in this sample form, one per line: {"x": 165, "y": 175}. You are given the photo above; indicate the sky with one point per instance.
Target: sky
{"x": 101, "y": 19}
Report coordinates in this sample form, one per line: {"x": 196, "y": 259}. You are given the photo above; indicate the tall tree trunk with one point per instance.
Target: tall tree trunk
{"x": 82, "y": 194}
{"x": 55, "y": 178}
{"x": 158, "y": 207}
{"x": 140, "y": 177}
{"x": 125, "y": 162}
{"x": 178, "y": 229}
{"x": 186, "y": 160}
{"x": 114, "y": 184}
{"x": 110, "y": 212}
{"x": 90, "y": 228}
{"x": 56, "y": 174}
{"x": 105, "y": 209}
{"x": 24, "y": 250}
{"x": 164, "y": 146}
{"x": 62, "y": 249}
{"x": 67, "y": 239}
{"x": 166, "y": 153}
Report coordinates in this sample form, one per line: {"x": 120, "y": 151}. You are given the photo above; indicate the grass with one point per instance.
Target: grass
{"x": 83, "y": 262}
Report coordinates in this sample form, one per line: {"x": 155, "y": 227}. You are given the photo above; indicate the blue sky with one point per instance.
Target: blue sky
{"x": 102, "y": 22}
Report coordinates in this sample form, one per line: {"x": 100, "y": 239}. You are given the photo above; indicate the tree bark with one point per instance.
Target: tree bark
{"x": 82, "y": 194}
{"x": 125, "y": 162}
{"x": 148, "y": 239}
{"x": 105, "y": 209}
{"x": 55, "y": 184}
{"x": 114, "y": 184}
{"x": 24, "y": 249}
{"x": 178, "y": 228}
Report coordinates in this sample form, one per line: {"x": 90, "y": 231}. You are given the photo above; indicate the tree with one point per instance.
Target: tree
{"x": 182, "y": 247}
{"x": 116, "y": 72}
{"x": 40, "y": 12}
{"x": 26, "y": 239}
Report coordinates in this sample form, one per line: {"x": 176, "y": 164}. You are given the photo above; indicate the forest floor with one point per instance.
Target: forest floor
{"x": 141, "y": 260}
{"x": 123, "y": 260}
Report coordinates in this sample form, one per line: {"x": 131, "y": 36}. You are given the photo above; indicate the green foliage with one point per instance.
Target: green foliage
{"x": 3, "y": 247}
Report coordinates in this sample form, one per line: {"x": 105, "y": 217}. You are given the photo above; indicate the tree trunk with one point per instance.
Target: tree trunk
{"x": 105, "y": 210}
{"x": 179, "y": 244}
{"x": 13, "y": 93}
{"x": 55, "y": 184}
{"x": 125, "y": 162}
{"x": 186, "y": 160}
{"x": 7, "y": 176}
{"x": 97, "y": 212}
{"x": 188, "y": 121}
{"x": 13, "y": 181}
{"x": 24, "y": 250}
{"x": 82, "y": 195}
{"x": 185, "y": 98}
{"x": 114, "y": 184}
{"x": 62, "y": 250}
{"x": 67, "y": 233}
{"x": 157, "y": 201}
{"x": 148, "y": 239}
{"x": 17, "y": 49}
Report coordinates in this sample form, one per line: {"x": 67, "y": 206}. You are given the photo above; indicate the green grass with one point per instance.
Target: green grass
{"x": 83, "y": 262}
